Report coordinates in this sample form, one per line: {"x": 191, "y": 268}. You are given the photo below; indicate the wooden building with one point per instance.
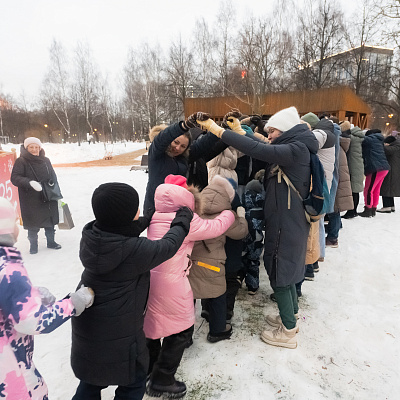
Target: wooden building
{"x": 341, "y": 102}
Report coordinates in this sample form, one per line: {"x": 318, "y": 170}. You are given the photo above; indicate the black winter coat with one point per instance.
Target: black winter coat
{"x": 374, "y": 154}
{"x": 108, "y": 342}
{"x": 286, "y": 230}
{"x": 34, "y": 212}
{"x": 391, "y": 184}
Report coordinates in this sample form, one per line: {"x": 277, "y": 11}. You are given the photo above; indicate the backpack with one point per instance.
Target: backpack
{"x": 317, "y": 201}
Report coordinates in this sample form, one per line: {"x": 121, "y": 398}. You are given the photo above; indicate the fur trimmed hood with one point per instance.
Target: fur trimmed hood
{"x": 155, "y": 130}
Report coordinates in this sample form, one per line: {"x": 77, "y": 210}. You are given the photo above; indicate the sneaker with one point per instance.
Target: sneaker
{"x": 175, "y": 391}
{"x": 316, "y": 266}
{"x": 205, "y": 314}
{"x": 276, "y": 321}
{"x": 53, "y": 245}
{"x": 251, "y": 291}
{"x": 280, "y": 337}
{"x": 385, "y": 210}
{"x": 216, "y": 337}
{"x": 309, "y": 275}
{"x": 331, "y": 243}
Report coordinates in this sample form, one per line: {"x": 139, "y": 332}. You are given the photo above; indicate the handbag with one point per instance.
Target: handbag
{"x": 66, "y": 221}
{"x": 50, "y": 190}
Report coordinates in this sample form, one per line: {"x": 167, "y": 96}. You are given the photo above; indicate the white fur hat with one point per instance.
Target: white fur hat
{"x": 7, "y": 217}
{"x": 32, "y": 140}
{"x": 284, "y": 119}
{"x": 225, "y": 184}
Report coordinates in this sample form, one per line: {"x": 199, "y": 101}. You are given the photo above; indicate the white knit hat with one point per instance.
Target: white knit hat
{"x": 284, "y": 119}
{"x": 32, "y": 140}
{"x": 7, "y": 217}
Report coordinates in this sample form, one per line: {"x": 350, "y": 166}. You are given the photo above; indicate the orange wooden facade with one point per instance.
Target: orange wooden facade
{"x": 341, "y": 102}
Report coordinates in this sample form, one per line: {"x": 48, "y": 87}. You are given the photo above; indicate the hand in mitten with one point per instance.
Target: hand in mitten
{"x": 36, "y": 185}
{"x": 231, "y": 119}
{"x": 48, "y": 299}
{"x": 182, "y": 218}
{"x": 81, "y": 299}
{"x": 240, "y": 211}
{"x": 212, "y": 127}
{"x": 191, "y": 121}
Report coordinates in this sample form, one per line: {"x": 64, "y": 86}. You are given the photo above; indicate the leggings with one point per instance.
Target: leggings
{"x": 372, "y": 188}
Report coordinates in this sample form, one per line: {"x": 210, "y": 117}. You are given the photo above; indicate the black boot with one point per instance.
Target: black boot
{"x": 51, "y": 244}
{"x": 350, "y": 214}
{"x": 373, "y": 211}
{"x": 174, "y": 391}
{"x": 216, "y": 337}
{"x": 33, "y": 240}
{"x": 367, "y": 213}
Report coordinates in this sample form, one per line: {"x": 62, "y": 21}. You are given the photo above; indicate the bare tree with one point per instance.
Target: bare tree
{"x": 56, "y": 90}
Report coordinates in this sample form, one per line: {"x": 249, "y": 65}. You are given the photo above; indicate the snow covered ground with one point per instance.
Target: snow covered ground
{"x": 349, "y": 339}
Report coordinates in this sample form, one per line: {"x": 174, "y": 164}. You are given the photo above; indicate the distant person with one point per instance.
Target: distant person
{"x": 26, "y": 310}
{"x": 391, "y": 184}
{"x": 30, "y": 169}
{"x": 108, "y": 345}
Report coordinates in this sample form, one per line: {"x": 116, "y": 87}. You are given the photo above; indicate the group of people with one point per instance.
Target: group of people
{"x": 215, "y": 201}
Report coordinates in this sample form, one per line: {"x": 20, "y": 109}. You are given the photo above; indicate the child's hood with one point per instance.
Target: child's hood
{"x": 215, "y": 198}
{"x": 170, "y": 198}
{"x": 101, "y": 252}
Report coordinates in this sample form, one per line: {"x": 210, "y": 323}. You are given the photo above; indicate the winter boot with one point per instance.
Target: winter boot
{"x": 316, "y": 266}
{"x": 373, "y": 211}
{"x": 281, "y": 337}
{"x": 33, "y": 240}
{"x": 367, "y": 213}
{"x": 51, "y": 244}
{"x": 309, "y": 274}
{"x": 216, "y": 337}
{"x": 350, "y": 214}
{"x": 276, "y": 321}
{"x": 175, "y": 391}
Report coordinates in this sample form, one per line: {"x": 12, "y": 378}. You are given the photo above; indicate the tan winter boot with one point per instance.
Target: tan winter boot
{"x": 276, "y": 321}
{"x": 281, "y": 337}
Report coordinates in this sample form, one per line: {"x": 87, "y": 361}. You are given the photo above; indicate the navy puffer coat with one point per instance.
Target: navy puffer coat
{"x": 373, "y": 153}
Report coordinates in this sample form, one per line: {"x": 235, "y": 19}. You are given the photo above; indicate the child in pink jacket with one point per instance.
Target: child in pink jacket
{"x": 170, "y": 309}
{"x": 25, "y": 311}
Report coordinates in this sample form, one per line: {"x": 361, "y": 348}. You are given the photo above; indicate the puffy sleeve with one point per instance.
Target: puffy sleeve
{"x": 18, "y": 175}
{"x": 202, "y": 229}
{"x": 21, "y": 303}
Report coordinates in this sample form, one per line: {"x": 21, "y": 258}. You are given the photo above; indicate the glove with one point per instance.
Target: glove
{"x": 241, "y": 212}
{"x": 191, "y": 121}
{"x": 36, "y": 185}
{"x": 212, "y": 127}
{"x": 48, "y": 299}
{"x": 234, "y": 125}
{"x": 81, "y": 299}
{"x": 182, "y": 218}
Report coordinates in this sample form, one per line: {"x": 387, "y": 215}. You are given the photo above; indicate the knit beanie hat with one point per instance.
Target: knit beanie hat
{"x": 345, "y": 126}
{"x": 284, "y": 119}
{"x": 372, "y": 131}
{"x": 7, "y": 217}
{"x": 115, "y": 204}
{"x": 178, "y": 180}
{"x": 32, "y": 140}
{"x": 311, "y": 118}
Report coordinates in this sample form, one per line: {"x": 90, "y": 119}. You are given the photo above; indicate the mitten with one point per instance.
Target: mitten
{"x": 48, "y": 299}
{"x": 240, "y": 211}
{"x": 182, "y": 218}
{"x": 36, "y": 185}
{"x": 234, "y": 125}
{"x": 191, "y": 121}
{"x": 81, "y": 299}
{"x": 212, "y": 127}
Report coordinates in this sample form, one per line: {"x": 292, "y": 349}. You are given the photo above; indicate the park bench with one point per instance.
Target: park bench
{"x": 144, "y": 165}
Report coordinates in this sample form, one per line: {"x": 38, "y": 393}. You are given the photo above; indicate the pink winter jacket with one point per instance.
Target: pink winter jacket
{"x": 23, "y": 315}
{"x": 170, "y": 307}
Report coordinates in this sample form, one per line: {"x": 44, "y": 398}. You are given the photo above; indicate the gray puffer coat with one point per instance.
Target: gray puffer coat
{"x": 355, "y": 160}
{"x": 286, "y": 229}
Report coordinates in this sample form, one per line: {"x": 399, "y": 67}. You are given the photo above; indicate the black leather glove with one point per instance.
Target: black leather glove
{"x": 182, "y": 218}
{"x": 191, "y": 121}
{"x": 258, "y": 121}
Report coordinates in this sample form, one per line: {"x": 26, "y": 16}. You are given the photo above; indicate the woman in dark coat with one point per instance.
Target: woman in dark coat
{"x": 30, "y": 169}
{"x": 391, "y": 185}
{"x": 171, "y": 152}
{"x": 286, "y": 227}
{"x": 376, "y": 168}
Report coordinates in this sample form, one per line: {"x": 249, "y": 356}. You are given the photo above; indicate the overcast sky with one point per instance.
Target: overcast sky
{"x": 110, "y": 27}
